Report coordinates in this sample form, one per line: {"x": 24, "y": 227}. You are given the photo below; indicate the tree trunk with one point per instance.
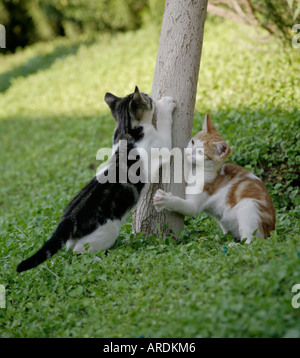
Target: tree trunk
{"x": 176, "y": 75}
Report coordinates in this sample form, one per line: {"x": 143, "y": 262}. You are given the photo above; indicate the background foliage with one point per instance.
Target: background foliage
{"x": 29, "y": 21}
{"x": 277, "y": 17}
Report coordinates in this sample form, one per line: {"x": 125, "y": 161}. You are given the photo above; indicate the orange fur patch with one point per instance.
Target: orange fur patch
{"x": 245, "y": 184}
{"x": 252, "y": 188}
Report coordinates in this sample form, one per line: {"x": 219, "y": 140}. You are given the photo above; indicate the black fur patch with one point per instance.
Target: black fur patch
{"x": 99, "y": 202}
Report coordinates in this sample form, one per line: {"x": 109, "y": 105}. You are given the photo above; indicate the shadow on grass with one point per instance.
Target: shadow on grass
{"x": 39, "y": 63}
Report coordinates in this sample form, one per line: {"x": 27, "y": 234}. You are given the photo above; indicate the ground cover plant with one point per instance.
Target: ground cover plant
{"x": 52, "y": 122}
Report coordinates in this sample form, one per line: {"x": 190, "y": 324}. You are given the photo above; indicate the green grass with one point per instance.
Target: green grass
{"x": 53, "y": 119}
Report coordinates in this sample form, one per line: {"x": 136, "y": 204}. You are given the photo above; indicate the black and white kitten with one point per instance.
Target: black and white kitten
{"x": 94, "y": 216}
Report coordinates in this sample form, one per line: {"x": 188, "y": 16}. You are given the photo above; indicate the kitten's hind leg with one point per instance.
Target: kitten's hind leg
{"x": 248, "y": 219}
{"x": 246, "y": 234}
{"x": 97, "y": 258}
{"x": 224, "y": 230}
{"x": 71, "y": 243}
{"x": 100, "y": 239}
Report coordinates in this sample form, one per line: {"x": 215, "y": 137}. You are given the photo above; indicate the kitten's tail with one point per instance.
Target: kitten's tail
{"x": 55, "y": 243}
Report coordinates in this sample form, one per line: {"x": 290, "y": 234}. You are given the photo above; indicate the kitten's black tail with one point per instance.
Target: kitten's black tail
{"x": 55, "y": 243}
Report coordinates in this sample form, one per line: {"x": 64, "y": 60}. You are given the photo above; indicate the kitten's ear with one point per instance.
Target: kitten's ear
{"x": 208, "y": 126}
{"x": 137, "y": 97}
{"x": 110, "y": 99}
{"x": 222, "y": 149}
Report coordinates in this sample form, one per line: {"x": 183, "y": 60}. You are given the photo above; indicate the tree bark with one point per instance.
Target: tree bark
{"x": 176, "y": 75}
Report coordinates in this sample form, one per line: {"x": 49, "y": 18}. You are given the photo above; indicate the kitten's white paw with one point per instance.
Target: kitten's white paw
{"x": 97, "y": 258}
{"x": 232, "y": 244}
{"x": 167, "y": 104}
{"x": 161, "y": 199}
{"x": 188, "y": 152}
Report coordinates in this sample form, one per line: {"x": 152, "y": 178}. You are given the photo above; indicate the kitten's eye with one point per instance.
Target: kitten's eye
{"x": 193, "y": 142}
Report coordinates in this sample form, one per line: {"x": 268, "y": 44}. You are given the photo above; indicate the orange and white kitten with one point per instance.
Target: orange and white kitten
{"x": 232, "y": 195}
